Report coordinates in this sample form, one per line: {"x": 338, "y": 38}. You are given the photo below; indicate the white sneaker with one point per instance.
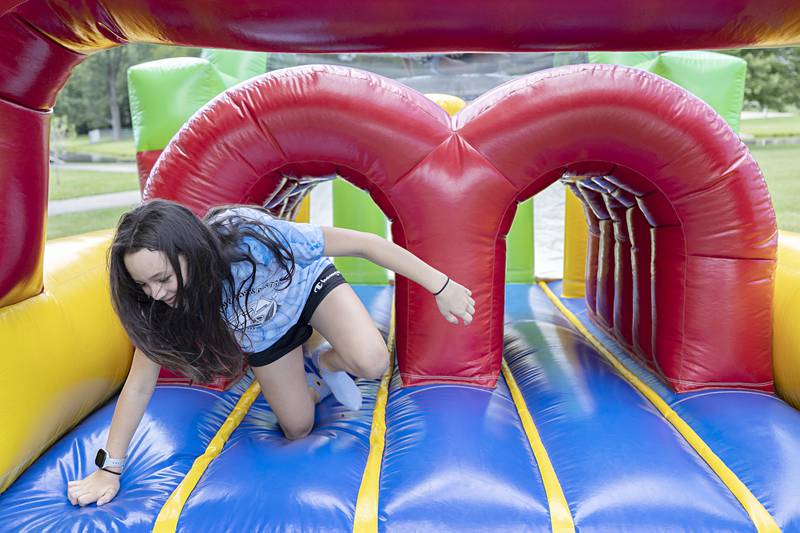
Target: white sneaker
{"x": 341, "y": 385}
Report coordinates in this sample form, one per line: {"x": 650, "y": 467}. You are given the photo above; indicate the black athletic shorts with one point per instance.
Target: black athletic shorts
{"x": 301, "y": 331}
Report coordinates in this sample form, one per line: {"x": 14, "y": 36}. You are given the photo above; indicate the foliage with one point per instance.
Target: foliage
{"x": 772, "y": 76}
{"x": 85, "y": 101}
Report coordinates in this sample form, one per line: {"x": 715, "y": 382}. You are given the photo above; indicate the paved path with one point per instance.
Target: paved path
{"x": 90, "y": 203}
{"x": 100, "y": 201}
{"x": 97, "y": 167}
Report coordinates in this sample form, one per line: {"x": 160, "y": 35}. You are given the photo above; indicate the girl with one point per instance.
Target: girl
{"x": 203, "y": 296}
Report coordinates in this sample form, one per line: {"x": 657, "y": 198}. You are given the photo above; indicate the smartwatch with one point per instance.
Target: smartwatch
{"x": 103, "y": 461}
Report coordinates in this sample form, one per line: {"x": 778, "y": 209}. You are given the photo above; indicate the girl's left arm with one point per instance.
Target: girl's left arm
{"x": 454, "y": 302}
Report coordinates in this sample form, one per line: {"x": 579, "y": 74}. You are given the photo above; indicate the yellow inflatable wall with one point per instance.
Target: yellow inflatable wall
{"x": 63, "y": 353}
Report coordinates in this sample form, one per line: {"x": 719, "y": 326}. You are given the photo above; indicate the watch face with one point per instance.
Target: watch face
{"x": 100, "y": 458}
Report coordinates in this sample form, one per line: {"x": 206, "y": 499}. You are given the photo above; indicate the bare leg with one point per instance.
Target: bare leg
{"x": 357, "y": 346}
{"x": 284, "y": 386}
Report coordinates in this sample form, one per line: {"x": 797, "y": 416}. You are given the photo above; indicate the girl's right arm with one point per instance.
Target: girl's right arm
{"x": 101, "y": 486}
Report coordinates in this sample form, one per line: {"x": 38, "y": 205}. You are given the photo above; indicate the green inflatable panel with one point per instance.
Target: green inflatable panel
{"x": 354, "y": 209}
{"x": 164, "y": 94}
{"x": 717, "y": 79}
{"x": 519, "y": 245}
{"x": 236, "y": 66}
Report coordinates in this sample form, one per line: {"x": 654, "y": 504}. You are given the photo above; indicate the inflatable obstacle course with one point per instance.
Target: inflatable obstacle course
{"x": 542, "y": 414}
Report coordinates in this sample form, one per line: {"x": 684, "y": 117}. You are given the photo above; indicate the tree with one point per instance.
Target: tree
{"x": 112, "y": 61}
{"x": 96, "y": 94}
{"x": 772, "y": 75}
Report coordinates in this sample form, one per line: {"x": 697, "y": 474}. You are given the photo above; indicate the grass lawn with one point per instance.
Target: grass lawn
{"x": 70, "y": 183}
{"x": 772, "y": 127}
{"x": 121, "y": 149}
{"x": 77, "y": 223}
{"x": 781, "y": 168}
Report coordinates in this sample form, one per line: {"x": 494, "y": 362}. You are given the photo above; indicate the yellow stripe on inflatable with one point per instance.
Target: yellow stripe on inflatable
{"x": 761, "y": 518}
{"x": 366, "y": 514}
{"x": 560, "y": 516}
{"x": 167, "y": 519}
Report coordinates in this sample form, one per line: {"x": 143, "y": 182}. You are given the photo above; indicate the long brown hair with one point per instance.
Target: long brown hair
{"x": 193, "y": 337}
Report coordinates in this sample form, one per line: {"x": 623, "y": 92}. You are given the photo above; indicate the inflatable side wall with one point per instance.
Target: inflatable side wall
{"x": 63, "y": 354}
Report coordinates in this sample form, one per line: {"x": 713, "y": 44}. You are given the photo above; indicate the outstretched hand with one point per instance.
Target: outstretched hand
{"x": 99, "y": 486}
{"x": 455, "y": 302}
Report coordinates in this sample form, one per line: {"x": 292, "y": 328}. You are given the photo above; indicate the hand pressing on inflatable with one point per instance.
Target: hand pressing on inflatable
{"x": 99, "y": 486}
{"x": 454, "y": 302}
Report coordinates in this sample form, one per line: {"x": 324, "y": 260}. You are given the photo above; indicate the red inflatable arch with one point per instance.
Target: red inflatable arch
{"x": 630, "y": 141}
{"x": 660, "y": 171}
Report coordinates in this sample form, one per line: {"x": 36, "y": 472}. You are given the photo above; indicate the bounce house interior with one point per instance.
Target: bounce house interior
{"x": 654, "y": 387}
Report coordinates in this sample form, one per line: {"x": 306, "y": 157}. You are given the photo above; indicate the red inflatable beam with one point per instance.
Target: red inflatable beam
{"x": 413, "y": 26}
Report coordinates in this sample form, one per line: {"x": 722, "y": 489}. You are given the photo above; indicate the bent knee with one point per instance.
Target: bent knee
{"x": 297, "y": 431}
{"x": 373, "y": 363}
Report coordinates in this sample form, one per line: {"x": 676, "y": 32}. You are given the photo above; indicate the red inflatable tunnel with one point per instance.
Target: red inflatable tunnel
{"x": 659, "y": 171}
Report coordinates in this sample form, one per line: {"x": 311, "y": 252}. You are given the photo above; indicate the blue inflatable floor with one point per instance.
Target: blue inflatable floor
{"x": 456, "y": 458}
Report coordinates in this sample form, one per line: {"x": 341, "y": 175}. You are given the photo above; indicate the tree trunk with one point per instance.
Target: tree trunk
{"x": 111, "y": 71}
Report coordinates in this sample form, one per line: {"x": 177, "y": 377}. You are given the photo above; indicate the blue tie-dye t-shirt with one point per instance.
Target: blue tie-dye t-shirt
{"x": 273, "y": 307}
